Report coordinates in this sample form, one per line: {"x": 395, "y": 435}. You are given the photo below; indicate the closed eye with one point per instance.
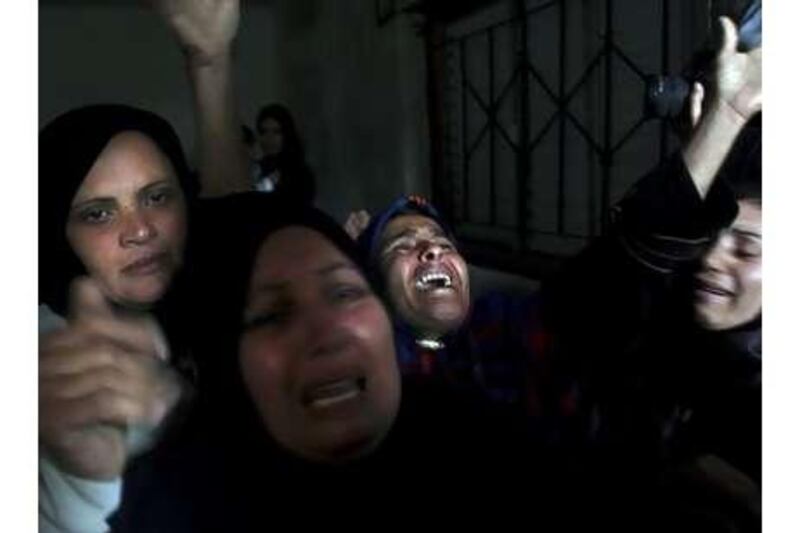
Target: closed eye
{"x": 267, "y": 318}
{"x": 343, "y": 293}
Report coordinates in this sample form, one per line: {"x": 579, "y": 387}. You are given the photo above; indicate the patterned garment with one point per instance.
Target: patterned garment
{"x": 502, "y": 352}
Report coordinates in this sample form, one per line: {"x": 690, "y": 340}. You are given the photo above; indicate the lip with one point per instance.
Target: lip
{"x": 331, "y": 394}
{"x": 146, "y": 265}
{"x": 712, "y": 288}
{"x": 436, "y": 267}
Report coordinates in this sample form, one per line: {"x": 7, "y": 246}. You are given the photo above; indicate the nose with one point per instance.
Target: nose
{"x": 137, "y": 229}
{"x": 720, "y": 254}
{"x": 326, "y": 334}
{"x": 430, "y": 251}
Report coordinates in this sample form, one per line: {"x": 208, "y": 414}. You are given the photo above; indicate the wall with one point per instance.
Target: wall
{"x": 357, "y": 90}
{"x": 637, "y": 31}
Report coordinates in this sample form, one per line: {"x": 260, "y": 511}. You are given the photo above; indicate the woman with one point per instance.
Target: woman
{"x": 282, "y": 167}
{"x": 114, "y": 188}
{"x": 305, "y": 410}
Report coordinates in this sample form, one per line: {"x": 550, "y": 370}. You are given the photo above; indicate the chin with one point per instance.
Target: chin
{"x": 142, "y": 299}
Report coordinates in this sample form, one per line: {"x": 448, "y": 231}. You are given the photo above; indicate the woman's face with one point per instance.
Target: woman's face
{"x": 317, "y": 351}
{"x": 127, "y": 222}
{"x": 728, "y": 286}
{"x": 270, "y": 137}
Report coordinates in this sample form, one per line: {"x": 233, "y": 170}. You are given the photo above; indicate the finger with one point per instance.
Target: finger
{"x": 70, "y": 386}
{"x": 92, "y": 353}
{"x": 729, "y": 37}
{"x": 135, "y": 333}
{"x": 86, "y": 299}
{"x": 81, "y": 353}
{"x": 90, "y": 308}
{"x": 696, "y": 103}
{"x": 101, "y": 407}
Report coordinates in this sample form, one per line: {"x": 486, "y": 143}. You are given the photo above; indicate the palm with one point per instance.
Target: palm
{"x": 737, "y": 77}
{"x": 205, "y": 28}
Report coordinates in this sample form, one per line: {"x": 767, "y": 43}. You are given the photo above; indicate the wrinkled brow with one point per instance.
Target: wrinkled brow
{"x": 434, "y": 231}
{"x": 322, "y": 272}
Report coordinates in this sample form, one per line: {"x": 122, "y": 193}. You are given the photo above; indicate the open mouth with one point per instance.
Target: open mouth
{"x": 333, "y": 393}
{"x": 712, "y": 288}
{"x": 431, "y": 280}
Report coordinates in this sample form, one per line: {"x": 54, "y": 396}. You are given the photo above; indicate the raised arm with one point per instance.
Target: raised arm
{"x": 734, "y": 96}
{"x": 205, "y": 30}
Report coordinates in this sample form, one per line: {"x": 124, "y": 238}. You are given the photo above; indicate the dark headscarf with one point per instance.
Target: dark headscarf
{"x": 369, "y": 241}
{"x": 297, "y": 183}
{"x": 68, "y": 148}
{"x": 234, "y": 228}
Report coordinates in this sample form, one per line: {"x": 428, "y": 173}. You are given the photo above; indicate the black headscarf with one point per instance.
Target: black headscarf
{"x": 233, "y": 229}
{"x": 297, "y": 183}
{"x": 68, "y": 148}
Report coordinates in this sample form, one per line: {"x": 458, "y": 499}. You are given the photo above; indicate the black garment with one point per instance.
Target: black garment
{"x": 296, "y": 184}
{"x": 448, "y": 455}
{"x": 446, "y": 459}
{"x": 68, "y": 147}
{"x": 657, "y": 391}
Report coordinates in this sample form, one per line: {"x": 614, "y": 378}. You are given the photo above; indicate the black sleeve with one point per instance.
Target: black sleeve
{"x": 602, "y": 302}
{"x": 662, "y": 223}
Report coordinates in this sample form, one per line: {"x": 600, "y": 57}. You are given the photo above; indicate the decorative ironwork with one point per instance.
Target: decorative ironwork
{"x": 476, "y": 121}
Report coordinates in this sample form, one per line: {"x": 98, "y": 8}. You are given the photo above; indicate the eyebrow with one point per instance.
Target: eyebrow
{"x": 97, "y": 201}
{"x": 747, "y": 233}
{"x": 327, "y": 270}
{"x": 412, "y": 232}
{"x": 111, "y": 199}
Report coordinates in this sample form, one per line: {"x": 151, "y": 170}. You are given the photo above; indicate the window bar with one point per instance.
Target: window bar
{"x": 562, "y": 63}
{"x": 464, "y": 153}
{"x": 523, "y": 156}
{"x": 606, "y": 154}
{"x": 492, "y": 119}
{"x": 665, "y": 44}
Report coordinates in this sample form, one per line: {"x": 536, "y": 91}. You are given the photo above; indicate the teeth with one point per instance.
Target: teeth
{"x": 334, "y": 393}
{"x": 438, "y": 279}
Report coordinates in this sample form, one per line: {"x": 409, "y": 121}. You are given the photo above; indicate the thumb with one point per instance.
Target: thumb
{"x": 729, "y": 37}
{"x": 696, "y": 103}
{"x": 86, "y": 299}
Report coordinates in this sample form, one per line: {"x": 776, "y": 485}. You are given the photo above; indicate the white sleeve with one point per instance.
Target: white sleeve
{"x": 68, "y": 504}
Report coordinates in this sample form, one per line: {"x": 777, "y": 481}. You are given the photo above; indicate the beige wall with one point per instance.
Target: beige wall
{"x": 357, "y": 90}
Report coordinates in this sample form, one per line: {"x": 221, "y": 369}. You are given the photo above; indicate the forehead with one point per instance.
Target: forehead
{"x": 410, "y": 225}
{"x": 749, "y": 217}
{"x": 128, "y": 162}
{"x": 293, "y": 253}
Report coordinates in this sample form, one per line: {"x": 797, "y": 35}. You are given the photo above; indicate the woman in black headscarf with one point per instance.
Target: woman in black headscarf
{"x": 282, "y": 168}
{"x": 301, "y": 416}
{"x": 113, "y": 203}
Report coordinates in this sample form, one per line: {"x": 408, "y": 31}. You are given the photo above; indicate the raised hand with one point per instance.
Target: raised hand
{"x": 204, "y": 28}
{"x": 736, "y": 76}
{"x": 103, "y": 375}
{"x": 357, "y": 221}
